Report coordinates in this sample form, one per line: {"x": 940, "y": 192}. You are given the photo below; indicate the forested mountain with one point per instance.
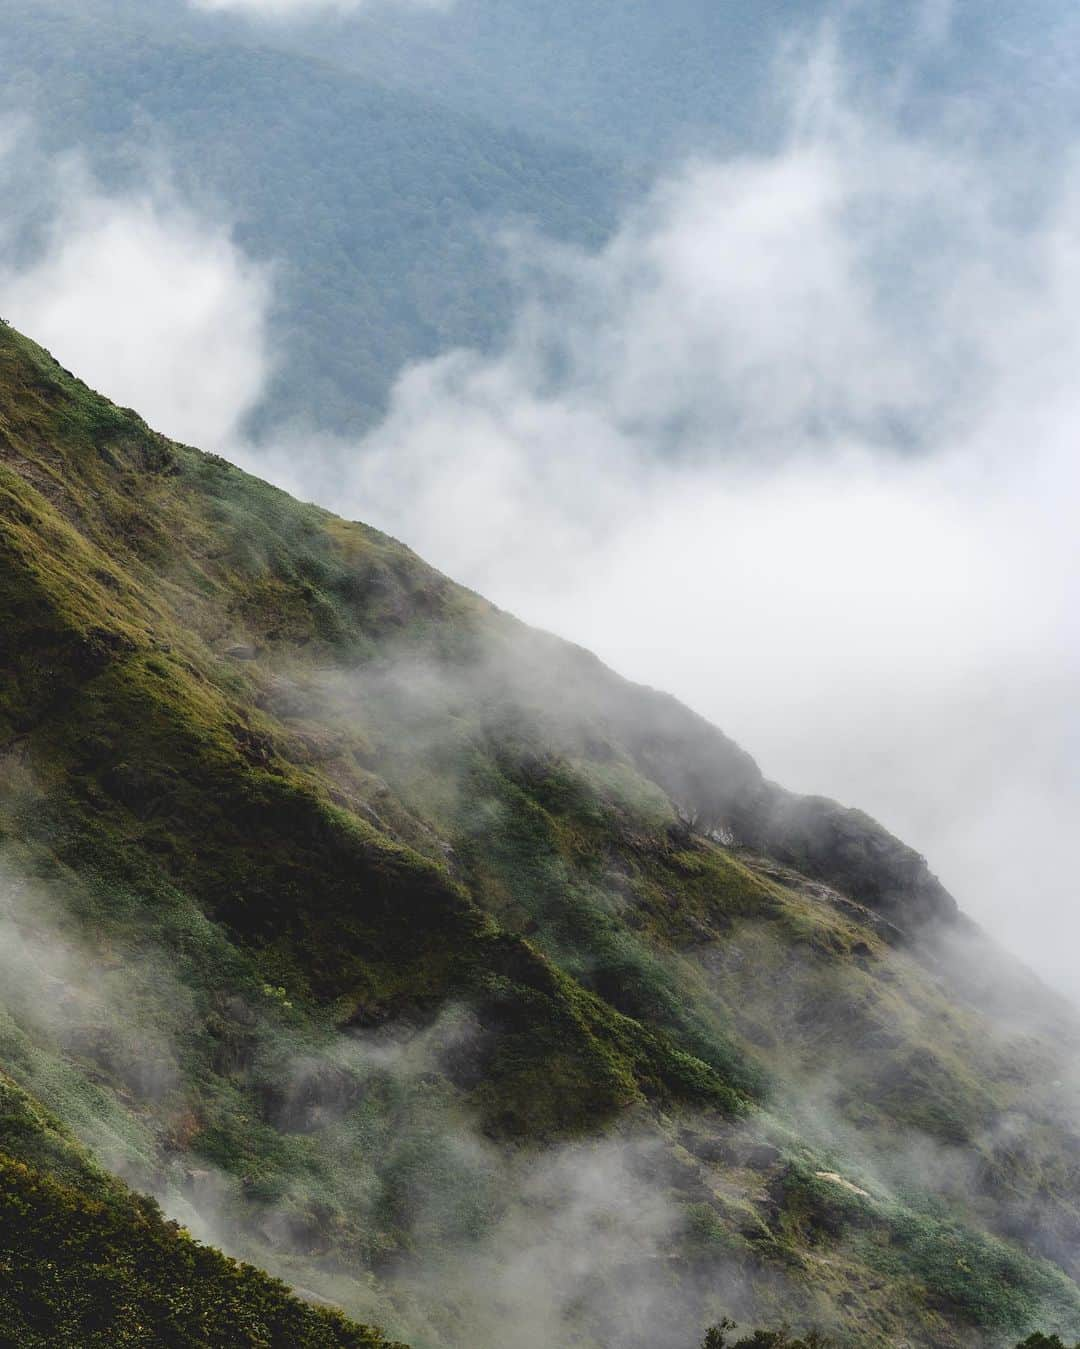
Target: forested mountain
{"x": 378, "y": 207}
{"x": 406, "y": 951}
{"x": 643, "y": 82}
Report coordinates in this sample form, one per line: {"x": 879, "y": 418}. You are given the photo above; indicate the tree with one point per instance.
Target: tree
{"x": 716, "y": 1338}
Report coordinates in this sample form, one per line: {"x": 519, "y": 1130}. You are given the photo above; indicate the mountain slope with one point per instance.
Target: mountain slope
{"x": 86, "y": 1263}
{"x": 338, "y": 907}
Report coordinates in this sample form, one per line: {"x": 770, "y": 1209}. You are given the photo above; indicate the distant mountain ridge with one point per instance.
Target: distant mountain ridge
{"x": 373, "y": 159}
{"x": 379, "y": 208}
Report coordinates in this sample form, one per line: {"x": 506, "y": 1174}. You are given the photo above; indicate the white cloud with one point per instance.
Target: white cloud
{"x": 148, "y": 301}
{"x": 934, "y": 21}
{"x": 798, "y": 445}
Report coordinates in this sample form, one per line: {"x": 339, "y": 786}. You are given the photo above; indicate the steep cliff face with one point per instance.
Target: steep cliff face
{"x": 338, "y": 906}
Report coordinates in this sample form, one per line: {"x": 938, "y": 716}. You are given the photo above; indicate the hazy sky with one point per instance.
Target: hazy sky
{"x": 798, "y": 444}
{"x": 286, "y": 9}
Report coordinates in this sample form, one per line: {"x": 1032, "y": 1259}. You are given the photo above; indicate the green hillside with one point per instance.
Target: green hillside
{"x": 365, "y": 928}
{"x": 83, "y": 1262}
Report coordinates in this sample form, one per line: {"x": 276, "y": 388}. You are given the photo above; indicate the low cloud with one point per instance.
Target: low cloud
{"x": 144, "y": 298}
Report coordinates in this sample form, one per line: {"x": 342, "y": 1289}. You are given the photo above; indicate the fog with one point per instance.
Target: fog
{"x": 383, "y": 1193}
{"x": 143, "y": 297}
{"x": 571, "y": 1245}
